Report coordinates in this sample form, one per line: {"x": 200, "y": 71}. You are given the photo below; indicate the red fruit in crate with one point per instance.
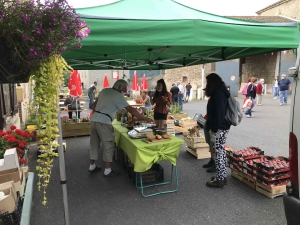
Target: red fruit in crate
{"x": 251, "y": 162}
{"x": 265, "y": 159}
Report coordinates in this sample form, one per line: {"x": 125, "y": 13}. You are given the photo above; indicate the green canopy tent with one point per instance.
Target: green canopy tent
{"x": 163, "y": 34}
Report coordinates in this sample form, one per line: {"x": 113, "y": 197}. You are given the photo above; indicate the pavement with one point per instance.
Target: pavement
{"x": 96, "y": 200}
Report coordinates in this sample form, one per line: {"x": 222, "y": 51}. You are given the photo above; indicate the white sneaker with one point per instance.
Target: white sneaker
{"x": 248, "y": 116}
{"x": 252, "y": 116}
{"x": 280, "y": 104}
{"x": 275, "y": 97}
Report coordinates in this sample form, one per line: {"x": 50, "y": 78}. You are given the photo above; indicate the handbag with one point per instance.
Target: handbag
{"x": 73, "y": 105}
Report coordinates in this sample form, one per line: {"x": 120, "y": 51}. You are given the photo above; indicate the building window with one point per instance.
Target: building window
{"x": 184, "y": 79}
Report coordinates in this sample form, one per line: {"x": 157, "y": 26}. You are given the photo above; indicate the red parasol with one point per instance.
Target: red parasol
{"x": 144, "y": 85}
{"x": 117, "y": 78}
{"x": 74, "y": 85}
{"x": 105, "y": 83}
{"x": 134, "y": 85}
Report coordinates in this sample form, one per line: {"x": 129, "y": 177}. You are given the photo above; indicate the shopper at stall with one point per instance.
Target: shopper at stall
{"x": 174, "y": 91}
{"x": 188, "y": 88}
{"x": 251, "y": 91}
{"x": 180, "y": 94}
{"x": 162, "y": 100}
{"x": 275, "y": 88}
{"x": 260, "y": 89}
{"x": 145, "y": 100}
{"x": 217, "y": 126}
{"x": 104, "y": 110}
{"x": 284, "y": 87}
{"x": 91, "y": 91}
{"x": 73, "y": 105}
{"x": 211, "y": 165}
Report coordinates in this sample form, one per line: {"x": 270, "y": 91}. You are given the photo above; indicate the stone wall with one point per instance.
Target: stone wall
{"x": 288, "y": 8}
{"x": 261, "y": 66}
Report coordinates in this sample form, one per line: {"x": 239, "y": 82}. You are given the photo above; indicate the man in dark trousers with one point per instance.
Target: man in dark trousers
{"x": 174, "y": 91}
{"x": 188, "y": 88}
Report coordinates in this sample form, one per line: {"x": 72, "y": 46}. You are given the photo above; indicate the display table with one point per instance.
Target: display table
{"x": 144, "y": 155}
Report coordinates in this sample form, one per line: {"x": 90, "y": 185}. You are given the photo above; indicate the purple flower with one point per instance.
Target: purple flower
{"x": 31, "y": 50}
{"x": 49, "y": 45}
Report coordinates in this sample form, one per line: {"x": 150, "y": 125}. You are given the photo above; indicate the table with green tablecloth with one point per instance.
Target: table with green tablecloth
{"x": 144, "y": 155}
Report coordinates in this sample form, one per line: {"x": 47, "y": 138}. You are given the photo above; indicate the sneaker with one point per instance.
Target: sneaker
{"x": 275, "y": 97}
{"x": 215, "y": 183}
{"x": 224, "y": 181}
{"x": 97, "y": 168}
{"x": 281, "y": 105}
{"x": 112, "y": 174}
{"x": 252, "y": 110}
{"x": 248, "y": 116}
{"x": 252, "y": 116}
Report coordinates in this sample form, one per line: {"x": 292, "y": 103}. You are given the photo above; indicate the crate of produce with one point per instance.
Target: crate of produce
{"x": 228, "y": 149}
{"x": 273, "y": 183}
{"x": 246, "y": 154}
{"x": 154, "y": 175}
{"x": 237, "y": 174}
{"x": 270, "y": 192}
{"x": 14, "y": 217}
{"x": 200, "y": 153}
{"x": 248, "y": 180}
{"x": 252, "y": 163}
{"x": 188, "y": 124}
{"x": 278, "y": 165}
{"x": 235, "y": 167}
{"x": 273, "y": 176}
{"x": 191, "y": 142}
{"x": 247, "y": 171}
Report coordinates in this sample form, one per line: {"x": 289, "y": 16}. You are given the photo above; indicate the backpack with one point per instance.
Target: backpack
{"x": 234, "y": 113}
{"x": 244, "y": 90}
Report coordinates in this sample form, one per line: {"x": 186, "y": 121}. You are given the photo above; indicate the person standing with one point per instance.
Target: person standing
{"x": 180, "y": 94}
{"x": 217, "y": 126}
{"x": 174, "y": 91}
{"x": 101, "y": 124}
{"x": 260, "y": 91}
{"x": 251, "y": 92}
{"x": 188, "y": 88}
{"x": 284, "y": 87}
{"x": 146, "y": 101}
{"x": 73, "y": 105}
{"x": 162, "y": 100}
{"x": 275, "y": 88}
{"x": 91, "y": 91}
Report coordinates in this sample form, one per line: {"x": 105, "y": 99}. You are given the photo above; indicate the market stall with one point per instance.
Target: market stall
{"x": 143, "y": 155}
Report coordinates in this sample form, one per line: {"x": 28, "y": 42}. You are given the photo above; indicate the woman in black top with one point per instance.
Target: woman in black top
{"x": 217, "y": 126}
{"x": 251, "y": 91}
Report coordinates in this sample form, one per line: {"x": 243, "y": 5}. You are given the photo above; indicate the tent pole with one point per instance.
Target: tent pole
{"x": 62, "y": 168}
{"x": 202, "y": 82}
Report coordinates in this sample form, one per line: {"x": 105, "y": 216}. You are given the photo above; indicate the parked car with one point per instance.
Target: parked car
{"x": 291, "y": 198}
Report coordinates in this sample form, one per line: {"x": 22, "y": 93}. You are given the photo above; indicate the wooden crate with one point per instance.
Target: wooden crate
{"x": 249, "y": 181}
{"x": 191, "y": 143}
{"x": 237, "y": 175}
{"x": 76, "y": 129}
{"x": 188, "y": 124}
{"x": 200, "y": 153}
{"x": 179, "y": 116}
{"x": 270, "y": 192}
{"x": 181, "y": 130}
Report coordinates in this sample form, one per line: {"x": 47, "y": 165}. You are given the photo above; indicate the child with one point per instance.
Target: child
{"x": 247, "y": 105}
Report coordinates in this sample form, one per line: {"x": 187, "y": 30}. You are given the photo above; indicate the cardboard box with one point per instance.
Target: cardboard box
{"x": 15, "y": 175}
{"x": 8, "y": 185}
{"x": 8, "y": 204}
{"x": 10, "y": 160}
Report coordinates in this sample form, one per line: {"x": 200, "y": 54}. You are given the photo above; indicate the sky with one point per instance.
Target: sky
{"x": 219, "y": 7}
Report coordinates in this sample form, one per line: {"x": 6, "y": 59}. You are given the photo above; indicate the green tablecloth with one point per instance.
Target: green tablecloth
{"x": 144, "y": 155}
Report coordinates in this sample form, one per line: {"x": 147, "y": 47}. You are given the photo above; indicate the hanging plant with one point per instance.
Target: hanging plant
{"x": 33, "y": 35}
{"x": 32, "y": 31}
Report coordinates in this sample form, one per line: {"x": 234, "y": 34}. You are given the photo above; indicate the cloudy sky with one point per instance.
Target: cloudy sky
{"x": 220, "y": 7}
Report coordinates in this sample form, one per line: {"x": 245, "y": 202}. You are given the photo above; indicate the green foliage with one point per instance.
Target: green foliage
{"x": 66, "y": 77}
{"x": 175, "y": 108}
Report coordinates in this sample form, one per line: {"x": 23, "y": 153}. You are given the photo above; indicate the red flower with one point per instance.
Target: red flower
{"x": 22, "y": 144}
{"x": 13, "y": 127}
{"x": 2, "y": 134}
{"x": 22, "y": 160}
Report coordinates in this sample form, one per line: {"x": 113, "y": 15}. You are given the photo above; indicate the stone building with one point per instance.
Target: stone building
{"x": 285, "y": 8}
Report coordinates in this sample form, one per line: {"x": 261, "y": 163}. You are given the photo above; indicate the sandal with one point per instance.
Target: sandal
{"x": 112, "y": 174}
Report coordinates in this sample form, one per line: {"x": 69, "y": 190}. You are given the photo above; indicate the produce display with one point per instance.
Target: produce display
{"x": 261, "y": 172}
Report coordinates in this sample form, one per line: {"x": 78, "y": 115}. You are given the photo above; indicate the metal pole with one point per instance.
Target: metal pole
{"x": 62, "y": 168}
{"x": 202, "y": 95}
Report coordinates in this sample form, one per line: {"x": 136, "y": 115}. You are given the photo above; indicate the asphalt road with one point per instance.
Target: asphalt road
{"x": 96, "y": 200}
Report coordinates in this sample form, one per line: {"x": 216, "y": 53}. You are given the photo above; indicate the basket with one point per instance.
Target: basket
{"x": 13, "y": 218}
{"x": 155, "y": 174}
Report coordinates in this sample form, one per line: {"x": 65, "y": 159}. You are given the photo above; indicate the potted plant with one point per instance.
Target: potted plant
{"x": 73, "y": 128}
{"x": 175, "y": 112}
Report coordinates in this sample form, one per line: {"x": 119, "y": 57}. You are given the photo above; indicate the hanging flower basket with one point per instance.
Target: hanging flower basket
{"x": 9, "y": 72}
